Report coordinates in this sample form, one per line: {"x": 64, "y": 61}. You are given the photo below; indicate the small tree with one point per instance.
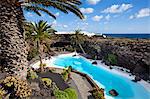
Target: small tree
{"x": 77, "y": 39}
{"x": 40, "y": 34}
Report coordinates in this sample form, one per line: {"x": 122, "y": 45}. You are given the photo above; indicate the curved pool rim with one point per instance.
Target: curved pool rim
{"x": 143, "y": 93}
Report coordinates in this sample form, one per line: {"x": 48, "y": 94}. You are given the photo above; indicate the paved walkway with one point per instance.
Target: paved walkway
{"x": 81, "y": 85}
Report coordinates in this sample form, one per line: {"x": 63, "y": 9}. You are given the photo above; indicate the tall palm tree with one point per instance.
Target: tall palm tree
{"x": 40, "y": 34}
{"x": 13, "y": 53}
{"x": 77, "y": 39}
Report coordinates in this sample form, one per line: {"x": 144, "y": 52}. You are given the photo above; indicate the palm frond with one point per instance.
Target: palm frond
{"x": 64, "y": 6}
{"x": 36, "y": 9}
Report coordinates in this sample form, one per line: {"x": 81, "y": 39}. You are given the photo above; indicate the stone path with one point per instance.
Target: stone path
{"x": 81, "y": 85}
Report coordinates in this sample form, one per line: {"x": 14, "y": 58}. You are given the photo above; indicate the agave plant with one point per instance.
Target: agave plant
{"x": 13, "y": 50}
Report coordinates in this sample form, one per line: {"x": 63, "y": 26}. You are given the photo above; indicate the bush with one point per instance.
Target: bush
{"x": 54, "y": 87}
{"x": 16, "y": 87}
{"x": 65, "y": 75}
{"x": 112, "y": 59}
{"x": 71, "y": 93}
{"x": 32, "y": 75}
{"x": 61, "y": 95}
{"x": 98, "y": 94}
{"x": 47, "y": 82}
{"x": 69, "y": 69}
{"x": 2, "y": 92}
{"x": 66, "y": 72}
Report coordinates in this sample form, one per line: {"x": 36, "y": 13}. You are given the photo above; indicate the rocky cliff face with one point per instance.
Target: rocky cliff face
{"x": 131, "y": 54}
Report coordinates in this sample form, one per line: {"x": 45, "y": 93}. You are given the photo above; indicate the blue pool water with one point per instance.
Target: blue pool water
{"x": 106, "y": 79}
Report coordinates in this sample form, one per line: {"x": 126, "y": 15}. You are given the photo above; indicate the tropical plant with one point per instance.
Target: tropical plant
{"x": 98, "y": 94}
{"x": 61, "y": 94}
{"x": 32, "y": 74}
{"x": 71, "y": 93}
{"x": 2, "y": 93}
{"x": 47, "y": 82}
{"x": 16, "y": 87}
{"x": 66, "y": 72}
{"x": 77, "y": 39}
{"x": 13, "y": 47}
{"x": 40, "y": 34}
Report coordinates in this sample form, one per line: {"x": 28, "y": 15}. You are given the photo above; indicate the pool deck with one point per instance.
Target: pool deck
{"x": 81, "y": 85}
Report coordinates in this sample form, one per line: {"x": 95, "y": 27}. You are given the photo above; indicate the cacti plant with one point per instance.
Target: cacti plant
{"x": 47, "y": 82}
{"x": 16, "y": 87}
{"x": 2, "y": 93}
{"x": 32, "y": 75}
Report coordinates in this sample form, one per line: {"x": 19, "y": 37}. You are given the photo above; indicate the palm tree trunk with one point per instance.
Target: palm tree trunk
{"x": 40, "y": 55}
{"x": 81, "y": 48}
{"x": 13, "y": 53}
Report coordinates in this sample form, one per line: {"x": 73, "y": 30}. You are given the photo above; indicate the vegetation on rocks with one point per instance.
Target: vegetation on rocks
{"x": 32, "y": 75}
{"x": 68, "y": 93}
{"x": 98, "y": 94}
{"x": 71, "y": 93}
{"x": 112, "y": 59}
{"x": 15, "y": 87}
{"x": 61, "y": 95}
{"x": 65, "y": 74}
{"x": 2, "y": 93}
{"x": 47, "y": 82}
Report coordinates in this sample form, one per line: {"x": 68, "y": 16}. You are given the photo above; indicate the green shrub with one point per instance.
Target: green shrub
{"x": 98, "y": 94}
{"x": 71, "y": 93}
{"x": 65, "y": 75}
{"x": 61, "y": 94}
{"x": 112, "y": 59}
{"x": 69, "y": 69}
{"x": 47, "y": 81}
{"x": 66, "y": 72}
{"x": 32, "y": 75}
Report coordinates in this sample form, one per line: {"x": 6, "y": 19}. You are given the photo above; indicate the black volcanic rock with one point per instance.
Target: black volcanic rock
{"x": 131, "y": 54}
{"x": 94, "y": 63}
{"x": 136, "y": 79}
{"x": 113, "y": 92}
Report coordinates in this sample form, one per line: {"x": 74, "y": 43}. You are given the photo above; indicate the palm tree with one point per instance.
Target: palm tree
{"x": 77, "y": 39}
{"x": 40, "y": 34}
{"x": 13, "y": 51}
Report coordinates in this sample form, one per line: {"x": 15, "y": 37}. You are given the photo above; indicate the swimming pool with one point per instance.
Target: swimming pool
{"x": 104, "y": 78}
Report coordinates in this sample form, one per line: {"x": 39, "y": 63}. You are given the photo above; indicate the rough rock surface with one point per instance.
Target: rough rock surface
{"x": 131, "y": 54}
{"x": 113, "y": 92}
